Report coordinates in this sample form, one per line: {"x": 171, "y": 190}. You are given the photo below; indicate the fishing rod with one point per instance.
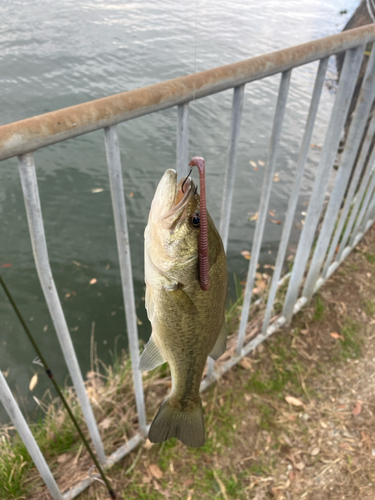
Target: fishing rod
{"x": 58, "y": 390}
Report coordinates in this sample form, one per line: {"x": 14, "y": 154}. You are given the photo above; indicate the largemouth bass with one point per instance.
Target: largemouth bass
{"x": 185, "y": 308}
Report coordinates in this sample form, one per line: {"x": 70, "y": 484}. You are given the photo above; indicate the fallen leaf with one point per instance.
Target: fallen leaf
{"x": 221, "y": 485}
{"x": 131, "y": 195}
{"x": 357, "y": 409}
{"x": 155, "y": 471}
{"x": 293, "y": 401}
{"x": 139, "y": 322}
{"x": 252, "y": 163}
{"x": 315, "y": 451}
{"x": 246, "y": 363}
{"x": 246, "y": 254}
{"x": 261, "y": 163}
{"x": 63, "y": 458}
{"x": 33, "y": 382}
{"x": 188, "y": 482}
{"x": 268, "y": 266}
{"x": 148, "y": 445}
{"x": 276, "y": 177}
{"x": 271, "y": 212}
{"x": 67, "y": 295}
{"x": 93, "y": 281}
{"x": 336, "y": 335}
{"x": 290, "y": 257}
{"x": 105, "y": 424}
{"x": 254, "y": 217}
{"x": 76, "y": 263}
{"x": 6, "y": 265}
{"x": 300, "y": 466}
{"x": 97, "y": 190}
{"x": 315, "y": 146}
{"x": 275, "y": 221}
{"x": 255, "y": 169}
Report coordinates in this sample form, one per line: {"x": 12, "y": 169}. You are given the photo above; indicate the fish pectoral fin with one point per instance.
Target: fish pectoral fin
{"x": 183, "y": 301}
{"x": 220, "y": 344}
{"x": 187, "y": 426}
{"x": 151, "y": 357}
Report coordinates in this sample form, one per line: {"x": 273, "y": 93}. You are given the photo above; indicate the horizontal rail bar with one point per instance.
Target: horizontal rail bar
{"x": 122, "y": 236}
{"x": 38, "y": 241}
{"x": 33, "y": 133}
{"x": 19, "y": 422}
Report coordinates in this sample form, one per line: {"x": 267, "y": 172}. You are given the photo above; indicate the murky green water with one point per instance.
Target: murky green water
{"x": 56, "y": 54}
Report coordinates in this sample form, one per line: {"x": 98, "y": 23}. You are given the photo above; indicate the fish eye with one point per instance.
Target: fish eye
{"x": 195, "y": 220}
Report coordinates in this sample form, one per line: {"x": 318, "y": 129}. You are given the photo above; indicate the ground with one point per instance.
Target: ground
{"x": 294, "y": 420}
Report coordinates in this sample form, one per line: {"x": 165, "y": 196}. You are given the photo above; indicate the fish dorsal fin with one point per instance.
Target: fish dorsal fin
{"x": 151, "y": 357}
{"x": 221, "y": 344}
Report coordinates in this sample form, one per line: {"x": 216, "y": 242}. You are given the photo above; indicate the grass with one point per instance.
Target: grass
{"x": 351, "y": 346}
{"x": 15, "y": 463}
{"x": 250, "y": 427}
{"x": 319, "y": 308}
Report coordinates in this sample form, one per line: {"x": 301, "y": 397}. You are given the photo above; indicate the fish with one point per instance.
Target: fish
{"x": 186, "y": 290}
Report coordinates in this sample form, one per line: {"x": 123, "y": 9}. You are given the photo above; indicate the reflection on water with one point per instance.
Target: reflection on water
{"x": 56, "y": 54}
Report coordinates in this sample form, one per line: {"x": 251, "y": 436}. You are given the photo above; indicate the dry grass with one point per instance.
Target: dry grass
{"x": 259, "y": 446}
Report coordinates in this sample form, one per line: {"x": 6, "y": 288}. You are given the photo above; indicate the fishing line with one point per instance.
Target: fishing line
{"x": 195, "y": 55}
{"x": 40, "y": 360}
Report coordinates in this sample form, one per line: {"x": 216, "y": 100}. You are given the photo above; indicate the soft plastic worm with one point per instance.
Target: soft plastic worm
{"x": 204, "y": 280}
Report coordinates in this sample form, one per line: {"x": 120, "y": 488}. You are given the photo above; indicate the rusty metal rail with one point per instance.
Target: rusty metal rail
{"x": 24, "y": 137}
{"x": 40, "y": 131}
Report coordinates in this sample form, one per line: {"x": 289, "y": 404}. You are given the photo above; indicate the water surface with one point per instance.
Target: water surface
{"x": 61, "y": 53}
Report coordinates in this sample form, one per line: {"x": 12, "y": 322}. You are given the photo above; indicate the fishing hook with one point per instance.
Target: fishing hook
{"x": 186, "y": 178}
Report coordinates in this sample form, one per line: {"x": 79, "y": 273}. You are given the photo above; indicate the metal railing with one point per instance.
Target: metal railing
{"x": 352, "y": 204}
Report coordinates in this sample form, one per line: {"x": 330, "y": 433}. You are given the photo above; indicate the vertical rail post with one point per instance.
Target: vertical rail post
{"x": 349, "y": 200}
{"x": 357, "y": 204}
{"x": 365, "y": 203}
{"x": 39, "y": 245}
{"x": 357, "y": 127}
{"x": 226, "y": 206}
{"x": 264, "y": 200}
{"x": 122, "y": 236}
{"x": 371, "y": 207}
{"x": 182, "y": 140}
{"x": 289, "y": 217}
{"x": 352, "y": 63}
{"x": 24, "y": 431}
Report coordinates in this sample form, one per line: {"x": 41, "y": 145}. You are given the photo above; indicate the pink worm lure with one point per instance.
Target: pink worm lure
{"x": 204, "y": 266}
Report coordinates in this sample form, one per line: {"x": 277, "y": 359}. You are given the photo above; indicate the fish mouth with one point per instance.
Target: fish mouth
{"x": 183, "y": 191}
{"x": 172, "y": 200}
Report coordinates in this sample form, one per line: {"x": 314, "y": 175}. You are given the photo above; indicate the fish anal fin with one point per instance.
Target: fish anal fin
{"x": 187, "y": 426}
{"x": 220, "y": 344}
{"x": 151, "y": 357}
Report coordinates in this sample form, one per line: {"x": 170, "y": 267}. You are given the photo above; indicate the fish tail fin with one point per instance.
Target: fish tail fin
{"x": 187, "y": 426}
